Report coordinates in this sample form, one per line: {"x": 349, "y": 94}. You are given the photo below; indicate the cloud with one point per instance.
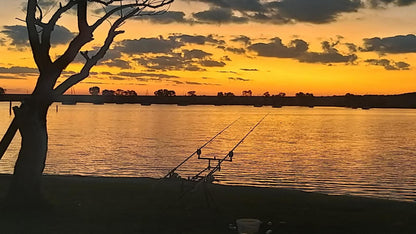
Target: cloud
{"x": 282, "y": 11}
{"x": 249, "y": 69}
{"x": 4, "y": 77}
{"x": 244, "y": 39}
{"x": 314, "y": 57}
{"x": 382, "y": 3}
{"x": 148, "y": 45}
{"x": 218, "y": 16}
{"x": 167, "y": 17}
{"x": 238, "y": 79}
{"x": 188, "y": 60}
{"x": 316, "y": 11}
{"x": 276, "y": 48}
{"x": 19, "y": 70}
{"x": 239, "y": 5}
{"x": 164, "y": 62}
{"x": 236, "y": 50}
{"x": 195, "y": 83}
{"x": 117, "y": 63}
{"x": 298, "y": 49}
{"x": 195, "y": 54}
{"x": 351, "y": 47}
{"x": 117, "y": 78}
{"x": 45, "y": 5}
{"x": 388, "y": 64}
{"x": 212, "y": 63}
{"x": 231, "y": 72}
{"x": 142, "y": 76}
{"x": 19, "y": 37}
{"x": 17, "y": 33}
{"x": 196, "y": 39}
{"x": 225, "y": 58}
{"x": 61, "y": 35}
{"x": 394, "y": 45}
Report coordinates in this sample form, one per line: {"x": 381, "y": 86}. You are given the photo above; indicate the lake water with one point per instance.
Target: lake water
{"x": 331, "y": 150}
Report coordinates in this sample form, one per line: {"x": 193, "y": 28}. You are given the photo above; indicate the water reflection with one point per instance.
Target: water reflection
{"x": 331, "y": 150}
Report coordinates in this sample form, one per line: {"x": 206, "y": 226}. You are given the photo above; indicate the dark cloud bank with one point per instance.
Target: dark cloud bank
{"x": 299, "y": 49}
{"x": 393, "y": 45}
{"x": 276, "y": 12}
{"x": 19, "y": 37}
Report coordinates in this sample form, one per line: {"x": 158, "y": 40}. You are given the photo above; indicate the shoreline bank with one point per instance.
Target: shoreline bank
{"x": 145, "y": 205}
{"x": 406, "y": 100}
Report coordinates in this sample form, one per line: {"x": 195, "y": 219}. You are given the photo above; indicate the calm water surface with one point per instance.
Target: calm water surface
{"x": 331, "y": 150}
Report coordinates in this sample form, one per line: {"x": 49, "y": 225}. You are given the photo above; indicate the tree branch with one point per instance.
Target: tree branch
{"x": 41, "y": 55}
{"x": 34, "y": 41}
{"x": 142, "y": 5}
{"x": 83, "y": 26}
{"x": 8, "y": 137}
{"x": 84, "y": 36}
{"x": 49, "y": 27}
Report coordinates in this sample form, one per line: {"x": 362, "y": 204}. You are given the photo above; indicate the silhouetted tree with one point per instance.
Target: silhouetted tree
{"x": 120, "y": 92}
{"x": 165, "y": 93}
{"x": 305, "y": 99}
{"x": 107, "y": 92}
{"x": 266, "y": 94}
{"x": 220, "y": 94}
{"x": 2, "y": 91}
{"x": 247, "y": 93}
{"x": 94, "y": 90}
{"x": 191, "y": 93}
{"x": 30, "y": 117}
{"x": 300, "y": 94}
{"x": 229, "y": 94}
{"x": 131, "y": 93}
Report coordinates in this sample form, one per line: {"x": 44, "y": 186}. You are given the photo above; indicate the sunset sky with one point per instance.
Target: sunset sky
{"x": 324, "y": 47}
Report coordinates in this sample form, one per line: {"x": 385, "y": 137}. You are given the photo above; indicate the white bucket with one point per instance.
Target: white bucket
{"x": 248, "y": 226}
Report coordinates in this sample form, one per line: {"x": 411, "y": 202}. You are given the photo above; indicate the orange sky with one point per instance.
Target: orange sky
{"x": 323, "y": 47}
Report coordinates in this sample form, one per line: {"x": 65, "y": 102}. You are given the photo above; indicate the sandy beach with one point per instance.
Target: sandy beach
{"x": 145, "y": 205}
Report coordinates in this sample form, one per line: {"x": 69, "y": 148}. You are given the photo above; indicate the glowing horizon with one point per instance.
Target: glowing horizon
{"x": 297, "y": 46}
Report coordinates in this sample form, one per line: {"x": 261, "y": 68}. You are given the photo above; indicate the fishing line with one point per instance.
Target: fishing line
{"x": 198, "y": 151}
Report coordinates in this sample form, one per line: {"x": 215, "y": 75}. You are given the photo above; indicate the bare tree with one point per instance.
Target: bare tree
{"x": 30, "y": 117}
{"x": 95, "y": 90}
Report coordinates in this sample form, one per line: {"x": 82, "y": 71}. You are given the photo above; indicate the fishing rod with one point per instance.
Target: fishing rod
{"x": 198, "y": 151}
{"x": 229, "y": 157}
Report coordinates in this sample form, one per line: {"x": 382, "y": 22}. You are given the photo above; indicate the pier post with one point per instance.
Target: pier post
{"x": 10, "y": 108}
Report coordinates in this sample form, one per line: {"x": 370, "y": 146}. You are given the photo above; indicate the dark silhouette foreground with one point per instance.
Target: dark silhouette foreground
{"x": 140, "y": 205}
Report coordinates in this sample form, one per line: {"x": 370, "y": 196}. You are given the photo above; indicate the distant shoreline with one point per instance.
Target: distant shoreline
{"x": 407, "y": 100}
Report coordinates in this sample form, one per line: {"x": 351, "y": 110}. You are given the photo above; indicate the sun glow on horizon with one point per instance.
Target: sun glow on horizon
{"x": 232, "y": 57}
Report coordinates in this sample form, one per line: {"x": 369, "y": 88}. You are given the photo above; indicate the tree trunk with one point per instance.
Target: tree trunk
{"x": 25, "y": 187}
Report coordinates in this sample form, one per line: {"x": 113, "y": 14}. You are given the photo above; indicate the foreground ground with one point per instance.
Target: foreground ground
{"x": 141, "y": 205}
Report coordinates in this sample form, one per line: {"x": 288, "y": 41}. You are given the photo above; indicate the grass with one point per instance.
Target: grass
{"x": 144, "y": 205}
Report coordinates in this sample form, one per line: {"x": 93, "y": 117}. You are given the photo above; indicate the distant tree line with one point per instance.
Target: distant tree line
{"x": 2, "y": 91}
{"x": 95, "y": 90}
{"x": 165, "y": 93}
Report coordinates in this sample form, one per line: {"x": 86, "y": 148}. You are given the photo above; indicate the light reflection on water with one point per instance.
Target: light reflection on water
{"x": 330, "y": 150}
